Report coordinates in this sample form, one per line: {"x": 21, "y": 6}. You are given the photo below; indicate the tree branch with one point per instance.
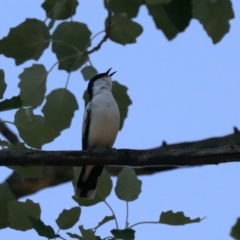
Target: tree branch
{"x": 123, "y": 157}
{"x": 52, "y": 175}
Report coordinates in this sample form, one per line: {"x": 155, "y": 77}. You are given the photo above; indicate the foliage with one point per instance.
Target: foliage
{"x": 71, "y": 42}
{"x": 26, "y": 215}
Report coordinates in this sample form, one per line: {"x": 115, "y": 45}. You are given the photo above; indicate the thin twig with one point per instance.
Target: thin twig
{"x": 127, "y": 215}
{"x": 112, "y": 213}
{"x": 147, "y": 222}
{"x": 107, "y": 30}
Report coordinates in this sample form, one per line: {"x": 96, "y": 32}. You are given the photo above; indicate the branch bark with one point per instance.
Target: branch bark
{"x": 22, "y": 186}
{"x": 123, "y": 157}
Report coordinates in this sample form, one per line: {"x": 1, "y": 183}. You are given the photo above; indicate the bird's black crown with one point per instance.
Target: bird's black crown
{"x": 95, "y": 78}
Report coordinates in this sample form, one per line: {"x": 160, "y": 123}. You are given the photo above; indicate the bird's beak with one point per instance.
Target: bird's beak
{"x": 107, "y": 72}
{"x": 111, "y": 74}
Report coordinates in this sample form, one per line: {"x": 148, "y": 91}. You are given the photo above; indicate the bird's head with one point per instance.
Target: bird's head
{"x": 100, "y": 82}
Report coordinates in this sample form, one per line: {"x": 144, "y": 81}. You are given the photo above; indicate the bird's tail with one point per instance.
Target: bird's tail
{"x": 87, "y": 181}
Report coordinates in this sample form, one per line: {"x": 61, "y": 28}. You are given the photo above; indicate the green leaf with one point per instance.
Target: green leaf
{"x": 5, "y": 197}
{"x": 3, "y": 85}
{"x": 74, "y": 235}
{"x": 59, "y": 109}
{"x": 26, "y": 41}
{"x": 33, "y": 85}
{"x": 235, "y": 231}
{"x": 123, "y": 30}
{"x": 32, "y": 129}
{"x": 126, "y": 234}
{"x": 18, "y": 146}
{"x": 104, "y": 188}
{"x": 123, "y": 100}
{"x": 128, "y": 186}
{"x": 171, "y": 18}
{"x": 87, "y": 234}
{"x": 130, "y": 7}
{"x": 88, "y": 72}
{"x": 10, "y": 104}
{"x": 66, "y": 10}
{"x": 70, "y": 40}
{"x": 176, "y": 219}
{"x": 152, "y": 2}
{"x": 105, "y": 220}
{"x": 68, "y": 218}
{"x": 30, "y": 172}
{"x": 42, "y": 229}
{"x": 214, "y": 16}
{"x": 19, "y": 213}
{"x": 4, "y": 143}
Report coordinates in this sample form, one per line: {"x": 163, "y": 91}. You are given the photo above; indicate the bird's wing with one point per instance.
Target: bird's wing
{"x": 85, "y": 126}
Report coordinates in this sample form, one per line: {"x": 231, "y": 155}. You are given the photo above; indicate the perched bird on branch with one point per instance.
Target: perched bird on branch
{"x": 100, "y": 126}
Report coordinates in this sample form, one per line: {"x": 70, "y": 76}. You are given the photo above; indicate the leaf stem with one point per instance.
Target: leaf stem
{"x": 112, "y": 213}
{"x": 147, "y": 222}
{"x": 127, "y": 214}
{"x": 69, "y": 74}
{"x": 97, "y": 34}
{"x": 62, "y": 238}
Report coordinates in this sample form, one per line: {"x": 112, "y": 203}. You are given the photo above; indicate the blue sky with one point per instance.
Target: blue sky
{"x": 183, "y": 90}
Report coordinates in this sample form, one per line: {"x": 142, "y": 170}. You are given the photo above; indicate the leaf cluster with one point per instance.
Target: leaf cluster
{"x": 24, "y": 216}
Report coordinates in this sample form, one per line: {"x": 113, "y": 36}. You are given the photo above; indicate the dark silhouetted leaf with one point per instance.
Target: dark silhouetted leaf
{"x": 33, "y": 85}
{"x": 74, "y": 235}
{"x": 70, "y": 40}
{"x": 87, "y": 234}
{"x": 5, "y": 197}
{"x": 128, "y": 186}
{"x": 130, "y": 7}
{"x": 104, "y": 188}
{"x": 42, "y": 229}
{"x": 19, "y": 213}
{"x": 152, "y": 2}
{"x": 4, "y": 143}
{"x": 176, "y": 219}
{"x": 124, "y": 30}
{"x": 125, "y": 234}
{"x": 32, "y": 128}
{"x": 30, "y": 172}
{"x": 26, "y": 41}
{"x": 68, "y": 218}
{"x": 3, "y": 85}
{"x": 214, "y": 16}
{"x": 105, "y": 220}
{"x": 59, "y": 109}
{"x": 122, "y": 98}
{"x": 235, "y": 231}
{"x": 88, "y": 72}
{"x": 67, "y": 8}
{"x": 10, "y": 104}
{"x": 171, "y": 18}
{"x": 18, "y": 146}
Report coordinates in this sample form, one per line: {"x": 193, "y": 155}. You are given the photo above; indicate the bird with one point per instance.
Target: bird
{"x": 101, "y": 122}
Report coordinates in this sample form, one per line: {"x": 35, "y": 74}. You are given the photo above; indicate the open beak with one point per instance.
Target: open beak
{"x": 111, "y": 74}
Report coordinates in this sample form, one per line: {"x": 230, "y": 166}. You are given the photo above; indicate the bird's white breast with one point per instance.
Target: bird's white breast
{"x": 105, "y": 120}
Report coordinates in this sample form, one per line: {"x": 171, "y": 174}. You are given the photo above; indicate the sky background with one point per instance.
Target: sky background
{"x": 183, "y": 90}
